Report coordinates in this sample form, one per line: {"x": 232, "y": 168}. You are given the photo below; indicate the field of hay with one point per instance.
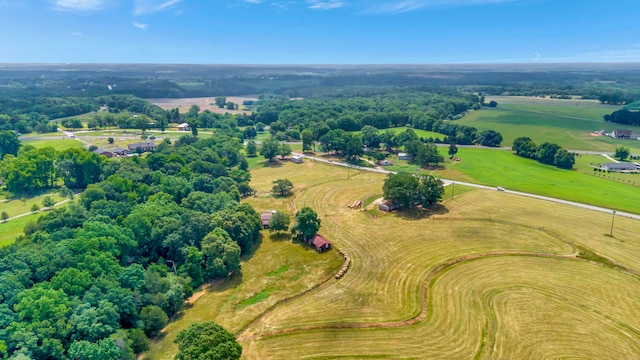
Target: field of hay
{"x": 484, "y": 275}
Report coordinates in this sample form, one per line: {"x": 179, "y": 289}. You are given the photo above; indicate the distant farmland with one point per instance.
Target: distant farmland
{"x": 205, "y": 103}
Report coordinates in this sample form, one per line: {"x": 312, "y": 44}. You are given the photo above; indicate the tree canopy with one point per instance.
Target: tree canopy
{"x": 408, "y": 191}
{"x": 307, "y": 223}
{"x": 207, "y": 340}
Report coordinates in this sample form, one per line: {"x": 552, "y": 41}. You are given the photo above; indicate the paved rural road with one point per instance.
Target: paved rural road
{"x": 520, "y": 193}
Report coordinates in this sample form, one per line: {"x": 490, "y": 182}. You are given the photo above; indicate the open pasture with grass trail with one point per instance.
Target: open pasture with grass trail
{"x": 484, "y": 275}
{"x": 568, "y": 126}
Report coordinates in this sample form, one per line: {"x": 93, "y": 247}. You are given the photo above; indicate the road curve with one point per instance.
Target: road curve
{"x": 478, "y": 186}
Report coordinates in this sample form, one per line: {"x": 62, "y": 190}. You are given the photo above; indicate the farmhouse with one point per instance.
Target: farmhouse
{"x": 184, "y": 127}
{"x": 404, "y": 156}
{"x": 624, "y": 134}
{"x": 620, "y": 166}
{"x": 120, "y": 151}
{"x": 319, "y": 243}
{"x": 143, "y": 146}
{"x": 297, "y": 159}
{"x": 104, "y": 152}
{"x": 265, "y": 218}
{"x": 387, "y": 206}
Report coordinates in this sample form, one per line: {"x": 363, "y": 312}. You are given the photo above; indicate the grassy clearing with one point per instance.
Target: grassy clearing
{"x": 57, "y": 144}
{"x": 19, "y": 206}
{"x": 10, "y": 230}
{"x": 569, "y": 127}
{"x": 486, "y": 275}
{"x": 514, "y": 277}
{"x": 502, "y": 168}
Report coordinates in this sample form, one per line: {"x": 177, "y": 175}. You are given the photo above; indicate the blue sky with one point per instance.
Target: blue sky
{"x": 319, "y": 31}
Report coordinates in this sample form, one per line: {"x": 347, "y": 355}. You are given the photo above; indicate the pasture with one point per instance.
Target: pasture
{"x": 60, "y": 144}
{"x": 502, "y": 168}
{"x": 205, "y": 103}
{"x": 483, "y": 275}
{"x": 568, "y": 126}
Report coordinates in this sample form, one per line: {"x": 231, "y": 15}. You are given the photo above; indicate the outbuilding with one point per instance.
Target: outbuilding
{"x": 297, "y": 159}
{"x": 320, "y": 243}
{"x": 266, "y": 218}
{"x": 184, "y": 127}
{"x": 622, "y": 166}
{"x": 387, "y": 206}
{"x": 404, "y": 156}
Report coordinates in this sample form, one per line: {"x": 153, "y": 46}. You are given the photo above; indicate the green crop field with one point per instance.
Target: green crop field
{"x": 484, "y": 275}
{"x": 567, "y": 126}
{"x": 58, "y": 144}
{"x": 502, "y": 168}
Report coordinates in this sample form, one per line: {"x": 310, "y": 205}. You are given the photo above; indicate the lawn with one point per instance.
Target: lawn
{"x": 502, "y": 168}
{"x": 23, "y": 205}
{"x": 567, "y": 126}
{"x": 58, "y": 144}
{"x": 10, "y": 230}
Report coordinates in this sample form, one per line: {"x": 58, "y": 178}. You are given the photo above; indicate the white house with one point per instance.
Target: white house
{"x": 184, "y": 127}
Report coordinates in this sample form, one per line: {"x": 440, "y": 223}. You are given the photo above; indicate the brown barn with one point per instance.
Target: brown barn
{"x": 319, "y": 243}
{"x": 265, "y": 218}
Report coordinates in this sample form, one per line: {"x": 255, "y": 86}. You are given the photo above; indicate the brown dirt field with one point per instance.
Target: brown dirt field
{"x": 534, "y": 100}
{"x": 205, "y": 103}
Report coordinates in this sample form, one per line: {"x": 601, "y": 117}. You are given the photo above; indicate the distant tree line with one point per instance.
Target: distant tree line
{"x": 546, "y": 153}
{"x": 95, "y": 279}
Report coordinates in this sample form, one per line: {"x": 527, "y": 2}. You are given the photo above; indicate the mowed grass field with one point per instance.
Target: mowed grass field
{"x": 57, "y": 144}
{"x": 484, "y": 275}
{"x": 13, "y": 228}
{"x": 502, "y": 168}
{"x": 568, "y": 126}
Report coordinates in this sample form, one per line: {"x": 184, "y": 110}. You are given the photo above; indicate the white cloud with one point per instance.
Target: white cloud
{"x": 397, "y": 7}
{"x": 152, "y": 6}
{"x": 140, "y": 26}
{"x": 325, "y": 5}
{"x": 79, "y": 5}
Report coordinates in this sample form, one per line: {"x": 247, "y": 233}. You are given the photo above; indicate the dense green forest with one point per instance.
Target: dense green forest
{"x": 95, "y": 279}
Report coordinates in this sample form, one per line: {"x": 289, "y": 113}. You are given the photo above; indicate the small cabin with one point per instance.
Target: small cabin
{"x": 266, "y": 218}
{"x": 320, "y": 243}
{"x": 184, "y": 127}
{"x": 404, "y": 156}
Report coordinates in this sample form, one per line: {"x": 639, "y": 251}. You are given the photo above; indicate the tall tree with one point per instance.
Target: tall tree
{"x": 564, "y": 159}
{"x": 270, "y": 148}
{"x": 279, "y": 222}
{"x": 9, "y": 143}
{"x": 453, "y": 150}
{"x": 221, "y": 101}
{"x": 307, "y": 223}
{"x": 284, "y": 151}
{"x": 622, "y": 153}
{"x": 252, "y": 149}
{"x": 490, "y": 138}
{"x": 281, "y": 187}
{"x": 307, "y": 140}
{"x": 408, "y": 191}
{"x": 525, "y": 147}
{"x": 207, "y": 340}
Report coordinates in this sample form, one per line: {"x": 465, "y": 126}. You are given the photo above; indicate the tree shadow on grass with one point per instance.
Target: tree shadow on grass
{"x": 420, "y": 213}
{"x": 272, "y": 164}
{"x": 281, "y": 236}
{"x": 256, "y": 245}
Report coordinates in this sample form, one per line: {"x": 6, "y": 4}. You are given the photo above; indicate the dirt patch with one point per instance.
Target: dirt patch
{"x": 205, "y": 103}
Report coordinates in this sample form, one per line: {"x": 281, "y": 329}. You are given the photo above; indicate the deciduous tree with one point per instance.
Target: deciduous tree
{"x": 622, "y": 153}
{"x": 307, "y": 223}
{"x": 281, "y": 187}
{"x": 207, "y": 340}
{"x": 279, "y": 222}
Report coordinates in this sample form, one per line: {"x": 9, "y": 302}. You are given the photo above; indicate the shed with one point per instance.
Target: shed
{"x": 386, "y": 163}
{"x": 320, "y": 243}
{"x": 404, "y": 156}
{"x": 265, "y": 218}
{"x": 184, "y": 127}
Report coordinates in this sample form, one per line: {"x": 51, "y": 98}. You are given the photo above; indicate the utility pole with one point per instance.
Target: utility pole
{"x": 613, "y": 216}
